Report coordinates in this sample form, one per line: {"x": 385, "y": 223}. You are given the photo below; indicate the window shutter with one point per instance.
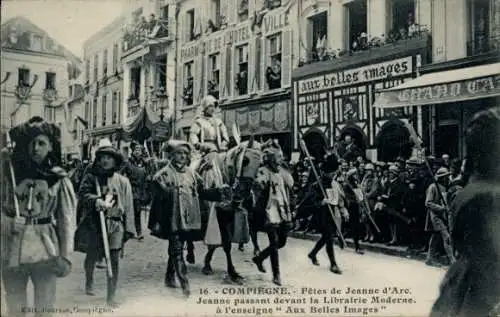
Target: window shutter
{"x": 229, "y": 72}
{"x": 286, "y": 58}
{"x": 196, "y": 72}
{"x": 254, "y": 58}
{"x": 119, "y": 106}
{"x": 264, "y": 47}
{"x": 180, "y": 84}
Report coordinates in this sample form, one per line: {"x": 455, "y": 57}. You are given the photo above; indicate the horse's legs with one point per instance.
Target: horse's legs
{"x": 207, "y": 268}
{"x": 231, "y": 270}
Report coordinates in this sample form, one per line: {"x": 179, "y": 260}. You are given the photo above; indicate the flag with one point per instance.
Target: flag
{"x": 413, "y": 135}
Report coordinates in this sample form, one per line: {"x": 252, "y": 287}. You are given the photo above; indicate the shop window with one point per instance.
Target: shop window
{"x": 96, "y": 67}
{"x": 213, "y": 85}
{"x": 50, "y": 80}
{"x": 23, "y": 77}
{"x": 357, "y": 25}
{"x": 273, "y": 71}
{"x": 105, "y": 64}
{"x": 403, "y": 19}
{"x": 242, "y": 70}
{"x": 37, "y": 43}
{"x": 318, "y": 39}
{"x": 103, "y": 109}
{"x": 481, "y": 39}
{"x": 188, "y": 84}
{"x": 242, "y": 10}
{"x": 190, "y": 25}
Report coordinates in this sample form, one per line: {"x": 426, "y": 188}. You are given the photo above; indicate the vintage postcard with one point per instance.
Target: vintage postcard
{"x": 250, "y": 158}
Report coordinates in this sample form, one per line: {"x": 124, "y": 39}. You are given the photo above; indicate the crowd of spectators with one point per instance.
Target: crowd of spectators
{"x": 399, "y": 201}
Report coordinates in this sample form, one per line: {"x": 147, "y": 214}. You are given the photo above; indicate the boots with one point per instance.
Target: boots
{"x": 181, "y": 270}
{"x": 112, "y": 292}
{"x": 170, "y": 274}
{"x": 275, "y": 265}
{"x": 89, "y": 276}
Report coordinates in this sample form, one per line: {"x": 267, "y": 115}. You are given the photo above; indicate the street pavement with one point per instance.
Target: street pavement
{"x": 142, "y": 292}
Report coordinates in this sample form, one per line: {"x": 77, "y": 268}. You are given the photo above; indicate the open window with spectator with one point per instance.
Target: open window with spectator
{"x": 483, "y": 30}
{"x": 318, "y": 29}
{"x": 214, "y": 68}
{"x": 402, "y": 15}
{"x": 187, "y": 95}
{"x": 242, "y": 70}
{"x": 357, "y": 25}
{"x": 242, "y": 10}
{"x": 190, "y": 25}
{"x": 273, "y": 70}
{"x": 23, "y": 77}
{"x": 135, "y": 83}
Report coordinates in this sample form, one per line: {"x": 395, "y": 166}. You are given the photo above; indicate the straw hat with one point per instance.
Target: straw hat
{"x": 173, "y": 146}
{"x": 441, "y": 172}
{"x": 106, "y": 147}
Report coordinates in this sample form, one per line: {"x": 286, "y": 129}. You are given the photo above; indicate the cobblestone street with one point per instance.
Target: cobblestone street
{"x": 142, "y": 292}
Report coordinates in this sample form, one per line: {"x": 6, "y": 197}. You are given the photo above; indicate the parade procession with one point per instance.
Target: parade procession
{"x": 200, "y": 167}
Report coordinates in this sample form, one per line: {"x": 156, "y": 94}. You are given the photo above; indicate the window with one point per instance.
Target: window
{"x": 103, "y": 109}
{"x": 96, "y": 63}
{"x": 242, "y": 70}
{"x": 50, "y": 113}
{"x": 23, "y": 77}
{"x": 50, "y": 80}
{"x": 161, "y": 72}
{"x": 188, "y": 84}
{"x": 37, "y": 43}
{"x": 114, "y": 103}
{"x": 94, "y": 113}
{"x": 70, "y": 91}
{"x": 105, "y": 64}
{"x": 357, "y": 26}
{"x": 403, "y": 19}
{"x": 213, "y": 86}
{"x": 190, "y": 25}
{"x": 115, "y": 58}
{"x": 118, "y": 107}
{"x": 480, "y": 38}
{"x": 215, "y": 11}
{"x": 87, "y": 70}
{"x": 318, "y": 39}
{"x": 242, "y": 10}
{"x": 135, "y": 82}
{"x": 87, "y": 111}
{"x": 164, "y": 12}
{"x": 273, "y": 71}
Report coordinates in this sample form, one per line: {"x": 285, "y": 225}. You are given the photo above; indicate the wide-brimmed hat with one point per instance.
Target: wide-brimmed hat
{"x": 442, "y": 172}
{"x": 393, "y": 169}
{"x": 413, "y": 161}
{"x": 369, "y": 167}
{"x": 173, "y": 146}
{"x": 106, "y": 147}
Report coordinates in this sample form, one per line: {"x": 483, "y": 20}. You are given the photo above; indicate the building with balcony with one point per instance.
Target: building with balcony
{"x": 36, "y": 75}
{"x": 103, "y": 83}
{"x": 148, "y": 61}
{"x": 242, "y": 53}
{"x": 349, "y": 77}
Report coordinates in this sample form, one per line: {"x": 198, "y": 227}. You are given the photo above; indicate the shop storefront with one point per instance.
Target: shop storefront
{"x": 448, "y": 96}
{"x": 264, "y": 118}
{"x": 336, "y": 99}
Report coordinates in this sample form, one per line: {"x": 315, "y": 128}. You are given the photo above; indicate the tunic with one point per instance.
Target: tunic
{"x": 209, "y": 130}
{"x": 50, "y": 219}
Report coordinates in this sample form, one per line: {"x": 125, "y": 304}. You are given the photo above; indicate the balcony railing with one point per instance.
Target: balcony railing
{"x": 367, "y": 46}
{"x": 143, "y": 31}
{"x": 483, "y": 44}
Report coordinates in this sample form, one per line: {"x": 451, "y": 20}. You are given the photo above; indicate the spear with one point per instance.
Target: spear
{"x": 10, "y": 146}
{"x": 316, "y": 175}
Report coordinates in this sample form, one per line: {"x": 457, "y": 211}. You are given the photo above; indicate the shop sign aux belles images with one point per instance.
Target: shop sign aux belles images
{"x": 373, "y": 72}
{"x": 439, "y": 93}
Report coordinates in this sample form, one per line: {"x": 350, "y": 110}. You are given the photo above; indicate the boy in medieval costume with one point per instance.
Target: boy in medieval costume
{"x": 175, "y": 211}
{"x": 104, "y": 190}
{"x": 274, "y": 207}
{"x": 327, "y": 223}
{"x": 38, "y": 216}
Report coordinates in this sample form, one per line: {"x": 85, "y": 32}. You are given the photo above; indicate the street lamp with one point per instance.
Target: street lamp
{"x": 161, "y": 101}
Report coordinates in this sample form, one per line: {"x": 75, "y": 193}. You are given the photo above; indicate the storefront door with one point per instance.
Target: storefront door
{"x": 448, "y": 139}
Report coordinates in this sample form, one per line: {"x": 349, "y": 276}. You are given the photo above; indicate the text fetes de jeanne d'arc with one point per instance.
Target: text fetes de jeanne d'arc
{"x": 240, "y": 33}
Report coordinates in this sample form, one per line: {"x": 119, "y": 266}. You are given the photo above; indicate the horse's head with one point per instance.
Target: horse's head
{"x": 245, "y": 159}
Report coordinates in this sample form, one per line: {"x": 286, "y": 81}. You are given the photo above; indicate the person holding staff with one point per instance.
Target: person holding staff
{"x": 104, "y": 190}
{"x": 38, "y": 216}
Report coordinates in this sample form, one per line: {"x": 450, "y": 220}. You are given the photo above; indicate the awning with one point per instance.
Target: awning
{"x": 442, "y": 87}
{"x": 147, "y": 123}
